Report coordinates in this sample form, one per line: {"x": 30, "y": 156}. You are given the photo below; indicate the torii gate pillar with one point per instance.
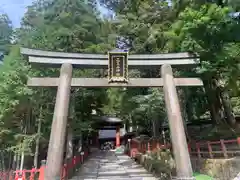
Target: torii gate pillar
{"x": 59, "y": 124}
{"x": 178, "y": 137}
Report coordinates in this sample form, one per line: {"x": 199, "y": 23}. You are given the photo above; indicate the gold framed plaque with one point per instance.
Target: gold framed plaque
{"x": 118, "y": 67}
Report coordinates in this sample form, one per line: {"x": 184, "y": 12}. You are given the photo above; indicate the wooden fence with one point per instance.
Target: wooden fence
{"x": 204, "y": 149}
{"x": 68, "y": 170}
{"x": 143, "y": 146}
{"x": 215, "y": 149}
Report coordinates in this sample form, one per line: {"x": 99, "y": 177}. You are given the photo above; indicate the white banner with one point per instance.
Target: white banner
{"x": 109, "y": 133}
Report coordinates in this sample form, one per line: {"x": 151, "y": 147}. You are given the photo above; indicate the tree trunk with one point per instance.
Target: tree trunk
{"x": 155, "y": 127}
{"x": 18, "y": 161}
{"x": 213, "y": 101}
{"x": 133, "y": 124}
{"x": 69, "y": 139}
{"x": 69, "y": 147}
{"x": 14, "y": 163}
{"x": 22, "y": 161}
{"x": 228, "y": 110}
{"x": 10, "y": 160}
{"x": 80, "y": 143}
{"x": 38, "y": 139}
{"x": 190, "y": 110}
{"x": 183, "y": 106}
{"x": 2, "y": 167}
{"x": 23, "y": 150}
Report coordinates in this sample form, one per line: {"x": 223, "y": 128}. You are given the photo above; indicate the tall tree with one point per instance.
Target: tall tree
{"x": 5, "y": 33}
{"x": 218, "y": 49}
{"x": 62, "y": 25}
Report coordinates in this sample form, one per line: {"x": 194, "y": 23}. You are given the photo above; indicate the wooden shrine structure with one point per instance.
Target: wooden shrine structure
{"x": 118, "y": 63}
{"x": 108, "y": 123}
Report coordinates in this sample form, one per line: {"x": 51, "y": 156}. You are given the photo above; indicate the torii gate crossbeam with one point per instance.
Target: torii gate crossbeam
{"x": 103, "y": 83}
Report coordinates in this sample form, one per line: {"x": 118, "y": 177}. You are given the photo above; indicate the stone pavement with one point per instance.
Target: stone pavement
{"x": 109, "y": 166}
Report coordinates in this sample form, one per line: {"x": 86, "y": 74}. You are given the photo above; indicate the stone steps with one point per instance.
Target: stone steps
{"x": 109, "y": 166}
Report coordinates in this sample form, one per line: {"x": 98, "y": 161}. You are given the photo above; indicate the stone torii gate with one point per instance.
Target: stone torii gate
{"x": 117, "y": 64}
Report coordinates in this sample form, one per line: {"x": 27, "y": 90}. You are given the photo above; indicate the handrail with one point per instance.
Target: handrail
{"x": 216, "y": 148}
{"x": 151, "y": 145}
{"x": 67, "y": 170}
{"x": 204, "y": 149}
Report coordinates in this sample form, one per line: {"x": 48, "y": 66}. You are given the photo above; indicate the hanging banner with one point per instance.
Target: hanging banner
{"x": 118, "y": 67}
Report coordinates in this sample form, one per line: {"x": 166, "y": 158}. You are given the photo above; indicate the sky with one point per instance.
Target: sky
{"x": 15, "y": 9}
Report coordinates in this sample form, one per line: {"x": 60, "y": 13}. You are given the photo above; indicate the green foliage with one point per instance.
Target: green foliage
{"x": 70, "y": 27}
{"x": 160, "y": 163}
{"x": 199, "y": 176}
{"x": 14, "y": 101}
{"x": 235, "y": 4}
{"x": 210, "y": 32}
{"x": 5, "y": 33}
{"x": 62, "y": 25}
{"x": 143, "y": 25}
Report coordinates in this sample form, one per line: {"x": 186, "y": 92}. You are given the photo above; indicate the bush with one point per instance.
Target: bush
{"x": 160, "y": 163}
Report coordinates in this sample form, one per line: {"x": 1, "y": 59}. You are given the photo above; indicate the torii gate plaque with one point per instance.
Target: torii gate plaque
{"x": 117, "y": 67}
{"x": 65, "y": 81}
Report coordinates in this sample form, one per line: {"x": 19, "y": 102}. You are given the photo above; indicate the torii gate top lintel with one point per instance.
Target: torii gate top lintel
{"x": 94, "y": 61}
{"x": 56, "y": 59}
